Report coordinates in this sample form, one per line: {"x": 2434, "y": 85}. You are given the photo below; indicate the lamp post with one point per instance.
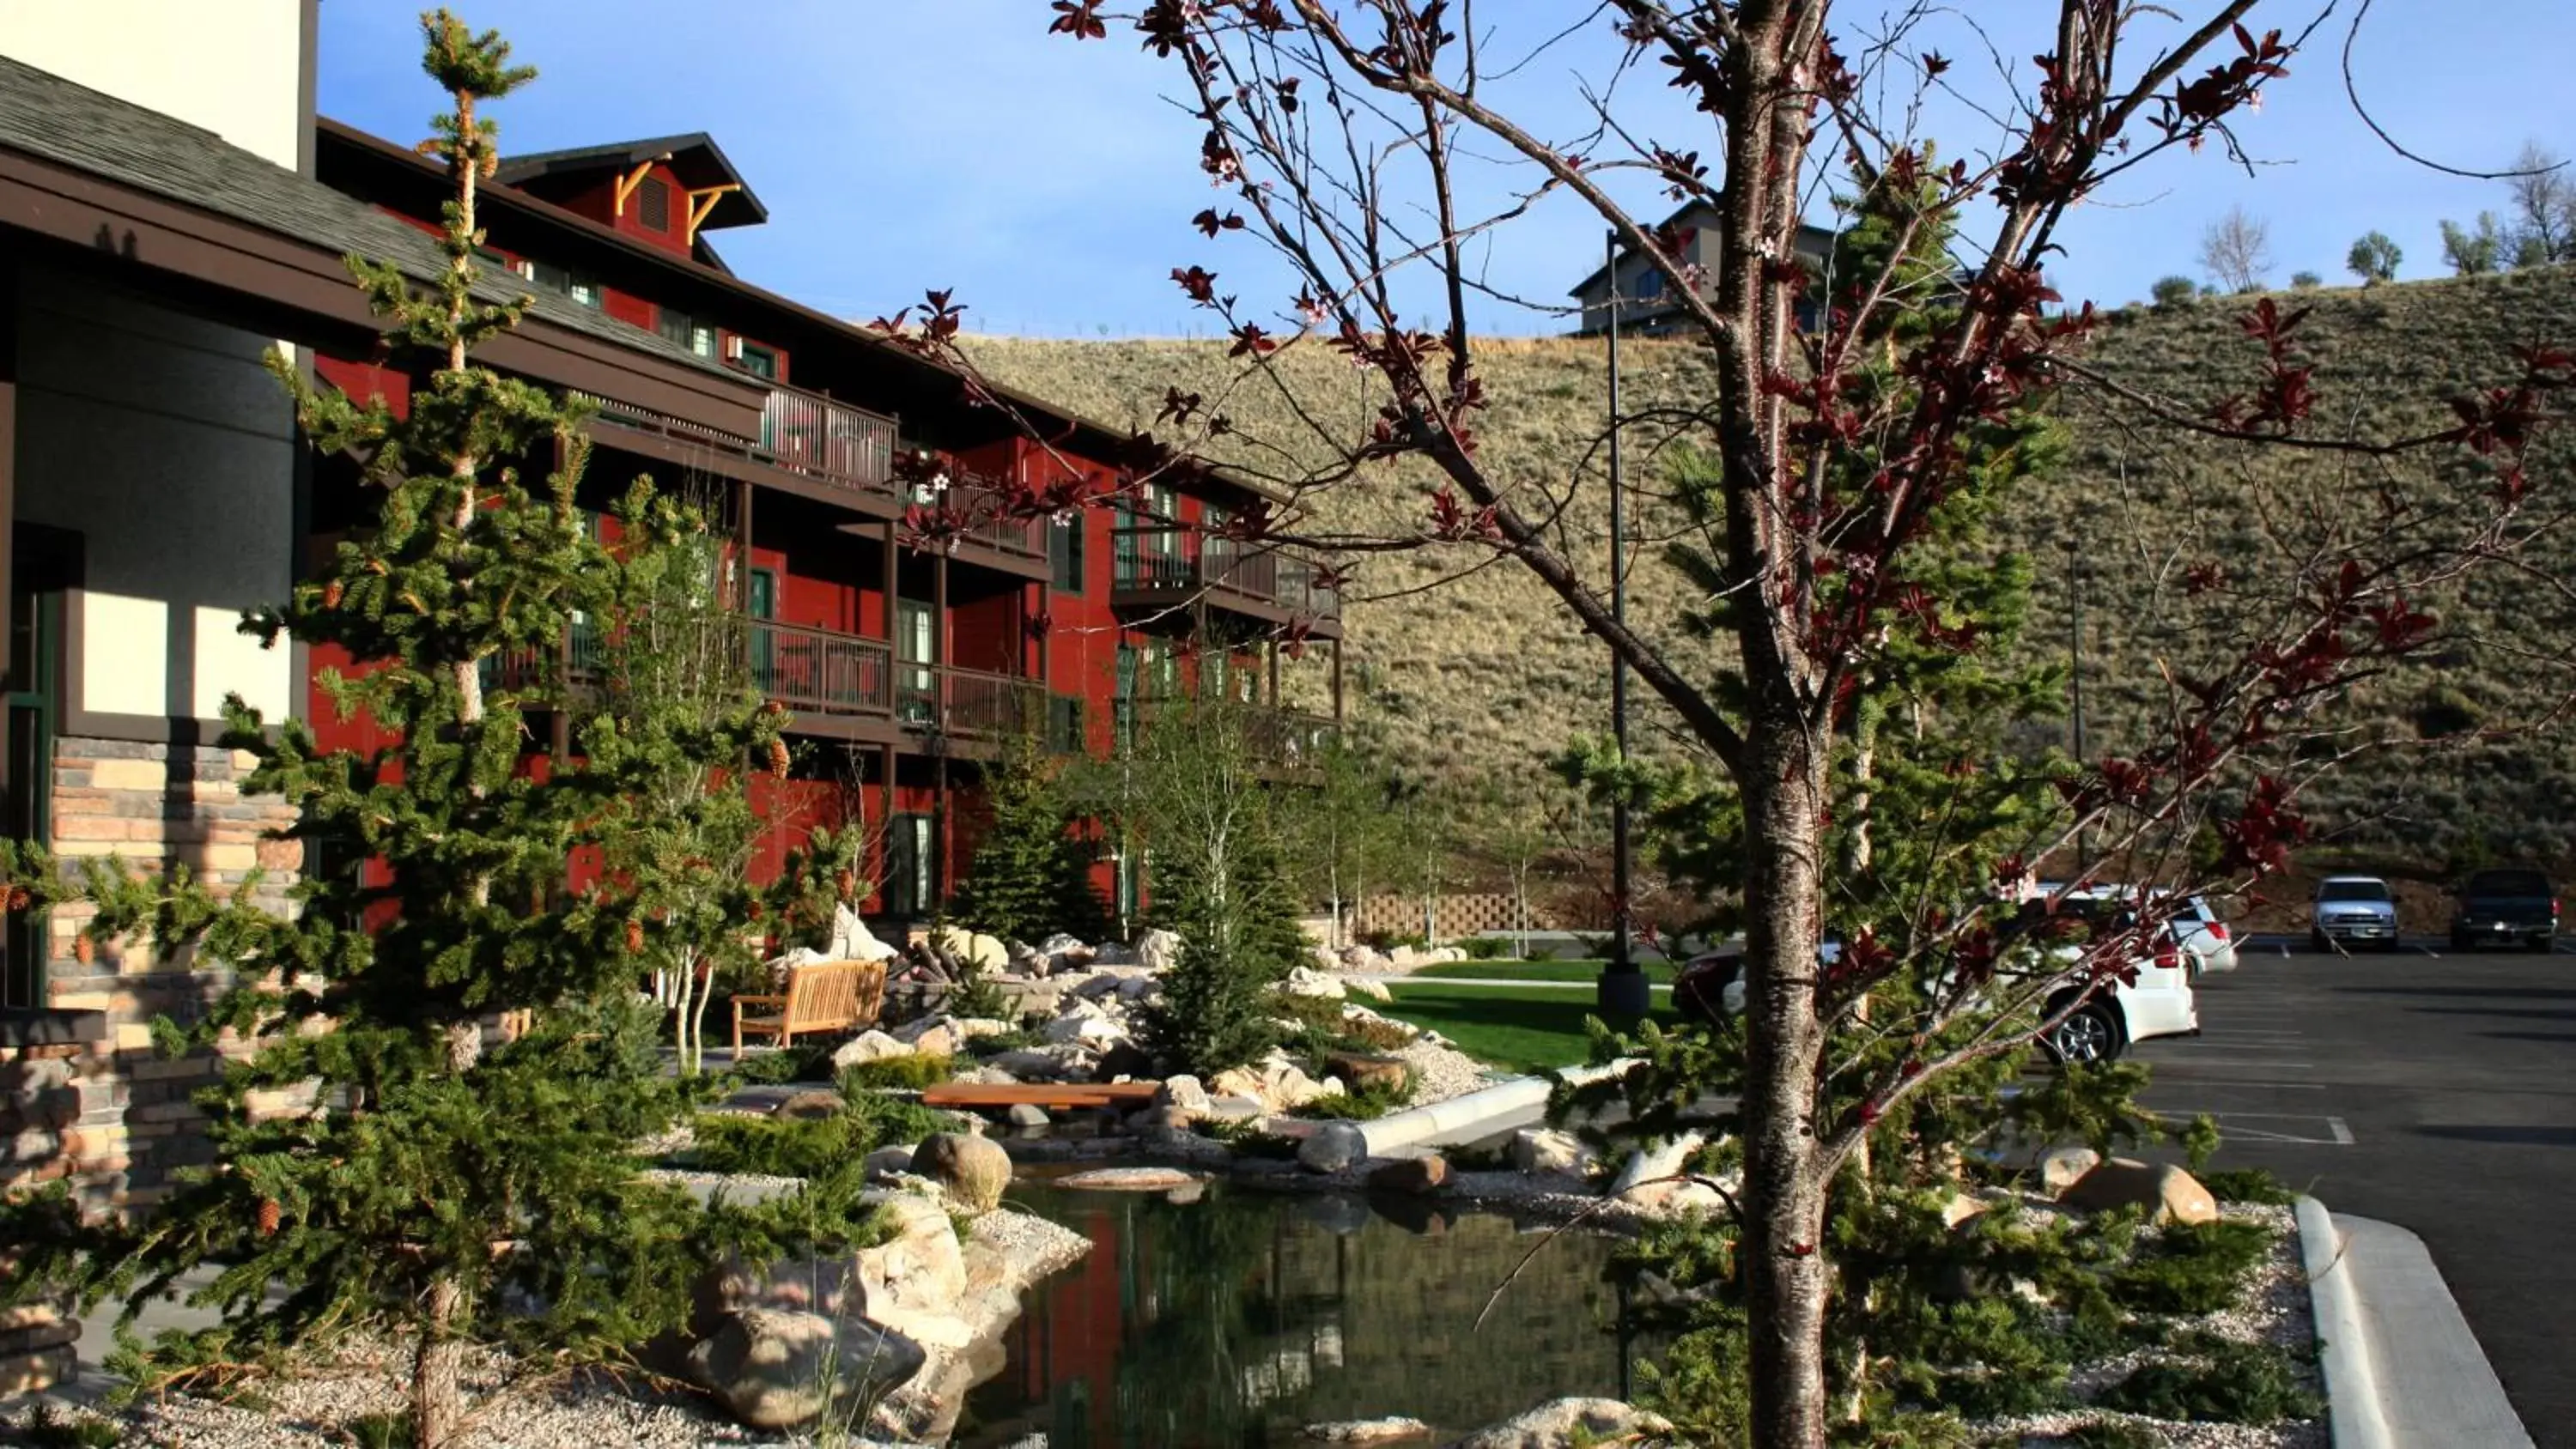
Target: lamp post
{"x": 2075, "y": 674}
{"x": 1622, "y": 994}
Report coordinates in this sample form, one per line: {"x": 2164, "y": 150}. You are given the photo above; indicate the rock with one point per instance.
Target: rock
{"x": 1443, "y": 955}
{"x": 958, "y": 1029}
{"x": 1368, "y": 1431}
{"x": 1403, "y": 958}
{"x": 1136, "y": 990}
{"x": 1535, "y": 1150}
{"x": 1130, "y": 1179}
{"x": 1158, "y": 950}
{"x": 1065, "y": 953}
{"x": 1566, "y": 1422}
{"x": 1367, "y": 1072}
{"x": 1361, "y": 958}
{"x": 985, "y": 953}
{"x": 1651, "y": 1179}
{"x": 972, "y": 1171}
{"x": 1124, "y": 1061}
{"x": 1086, "y": 1027}
{"x": 914, "y": 1281}
{"x": 1025, "y": 959}
{"x": 1233, "y": 1108}
{"x": 1159, "y": 1122}
{"x": 1184, "y": 1196}
{"x": 887, "y": 1162}
{"x": 2175, "y": 1195}
{"x": 1960, "y": 1208}
{"x": 767, "y": 1368}
{"x": 1414, "y": 1176}
{"x": 1237, "y": 1082}
{"x": 1304, "y": 982}
{"x": 2063, "y": 1167}
{"x": 1364, "y": 986}
{"x": 1030, "y": 1066}
{"x": 1027, "y": 1114}
{"x": 1184, "y": 1093}
{"x": 817, "y": 1103}
{"x": 869, "y": 1046}
{"x": 1333, "y": 1147}
{"x": 939, "y": 1041}
{"x": 1326, "y": 958}
{"x": 1110, "y": 953}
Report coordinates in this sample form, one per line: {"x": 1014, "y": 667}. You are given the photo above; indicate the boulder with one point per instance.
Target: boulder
{"x": 913, "y": 1282}
{"x": 1185, "y": 1093}
{"x": 1538, "y": 1150}
{"x": 887, "y": 1162}
{"x": 1326, "y": 958}
{"x": 1364, "y": 986}
{"x": 939, "y": 1041}
{"x": 1064, "y": 953}
{"x": 1368, "y": 1431}
{"x": 1235, "y": 1108}
{"x": 1134, "y": 990}
{"x": 958, "y": 1029}
{"x": 2173, "y": 1195}
{"x": 1651, "y": 1179}
{"x": 820, "y": 1102}
{"x": 1237, "y": 1082}
{"x": 869, "y": 1046}
{"x": 1443, "y": 955}
{"x": 1403, "y": 958}
{"x": 1304, "y": 982}
{"x": 2063, "y": 1167}
{"x": 1111, "y": 953}
{"x": 1566, "y": 1422}
{"x": 1027, "y": 1114}
{"x": 1130, "y": 1179}
{"x": 1414, "y": 1176}
{"x": 1333, "y": 1147}
{"x": 1030, "y": 1066}
{"x": 1361, "y": 958}
{"x": 767, "y": 1369}
{"x": 972, "y": 1171}
{"x": 1367, "y": 1072}
{"x": 1158, "y": 950}
{"x": 1085, "y": 1026}
{"x": 1124, "y": 1061}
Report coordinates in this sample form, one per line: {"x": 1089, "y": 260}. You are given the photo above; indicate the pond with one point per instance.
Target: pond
{"x": 1240, "y": 1318}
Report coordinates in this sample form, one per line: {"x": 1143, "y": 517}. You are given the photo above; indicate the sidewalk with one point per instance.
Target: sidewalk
{"x": 2416, "y": 1377}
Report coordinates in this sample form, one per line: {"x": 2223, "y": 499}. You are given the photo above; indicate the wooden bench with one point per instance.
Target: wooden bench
{"x": 826, "y": 996}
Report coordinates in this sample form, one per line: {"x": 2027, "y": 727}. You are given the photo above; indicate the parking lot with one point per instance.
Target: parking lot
{"x": 2428, "y": 1089}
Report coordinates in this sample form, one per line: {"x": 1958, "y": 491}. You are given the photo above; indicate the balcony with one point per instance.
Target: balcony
{"x": 1158, "y": 565}
{"x": 1287, "y": 741}
{"x": 800, "y": 432}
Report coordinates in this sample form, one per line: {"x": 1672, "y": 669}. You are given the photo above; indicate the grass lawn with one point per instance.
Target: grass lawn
{"x": 1574, "y": 970}
{"x": 1521, "y": 1029}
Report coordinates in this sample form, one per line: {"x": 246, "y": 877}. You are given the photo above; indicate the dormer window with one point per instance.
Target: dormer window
{"x": 686, "y": 331}
{"x": 562, "y": 282}
{"x": 757, "y": 360}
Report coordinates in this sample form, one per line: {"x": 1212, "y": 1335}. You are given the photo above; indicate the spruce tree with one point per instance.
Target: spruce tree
{"x": 451, "y": 1182}
{"x": 1031, "y": 876}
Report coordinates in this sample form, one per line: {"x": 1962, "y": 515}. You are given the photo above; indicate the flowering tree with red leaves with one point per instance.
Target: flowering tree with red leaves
{"x": 1362, "y": 143}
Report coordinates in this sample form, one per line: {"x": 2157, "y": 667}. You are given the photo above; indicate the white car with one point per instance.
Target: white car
{"x": 2159, "y": 1003}
{"x": 2203, "y": 936}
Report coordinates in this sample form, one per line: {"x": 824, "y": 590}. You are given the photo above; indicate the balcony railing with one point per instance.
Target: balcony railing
{"x": 1166, "y": 558}
{"x": 1288, "y": 739}
{"x": 800, "y": 431}
{"x": 810, "y": 434}
{"x": 819, "y": 672}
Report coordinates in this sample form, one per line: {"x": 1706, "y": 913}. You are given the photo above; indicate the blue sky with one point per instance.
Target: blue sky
{"x": 906, "y": 144}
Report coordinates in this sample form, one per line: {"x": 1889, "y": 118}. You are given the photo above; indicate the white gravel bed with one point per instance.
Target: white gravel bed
{"x": 1440, "y": 1073}
{"x": 2273, "y": 1307}
{"x": 1023, "y": 1238}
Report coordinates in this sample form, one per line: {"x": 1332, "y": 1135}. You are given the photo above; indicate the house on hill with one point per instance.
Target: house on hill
{"x": 1647, "y": 305}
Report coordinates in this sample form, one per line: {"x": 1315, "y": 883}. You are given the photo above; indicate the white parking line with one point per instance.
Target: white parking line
{"x": 2270, "y": 1086}
{"x": 2338, "y": 1133}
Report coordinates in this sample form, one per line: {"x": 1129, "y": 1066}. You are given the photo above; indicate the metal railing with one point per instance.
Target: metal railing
{"x": 1290, "y": 739}
{"x": 807, "y": 433}
{"x": 1166, "y": 558}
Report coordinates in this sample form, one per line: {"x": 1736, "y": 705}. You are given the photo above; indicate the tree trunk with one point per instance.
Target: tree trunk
{"x": 1786, "y": 1276}
{"x": 437, "y": 1406}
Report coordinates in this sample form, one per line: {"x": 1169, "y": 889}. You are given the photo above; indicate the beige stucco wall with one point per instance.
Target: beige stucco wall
{"x": 164, "y": 442}
{"x": 234, "y": 67}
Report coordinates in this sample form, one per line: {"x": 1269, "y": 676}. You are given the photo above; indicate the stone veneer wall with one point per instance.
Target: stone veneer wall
{"x": 111, "y": 1115}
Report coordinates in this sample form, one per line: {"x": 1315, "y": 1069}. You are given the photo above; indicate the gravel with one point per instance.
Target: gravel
{"x": 1440, "y": 1073}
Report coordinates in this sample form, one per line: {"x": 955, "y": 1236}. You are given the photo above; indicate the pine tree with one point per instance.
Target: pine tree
{"x": 1031, "y": 876}
{"x": 447, "y": 1185}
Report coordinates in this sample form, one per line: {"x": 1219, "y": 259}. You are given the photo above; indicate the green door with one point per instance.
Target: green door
{"x": 27, "y": 712}
{"x": 763, "y": 604}
{"x": 917, "y": 693}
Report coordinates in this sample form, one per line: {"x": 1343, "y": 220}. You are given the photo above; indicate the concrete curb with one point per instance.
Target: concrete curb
{"x": 2402, "y": 1367}
{"x": 1485, "y": 1112}
{"x": 2343, "y": 1347}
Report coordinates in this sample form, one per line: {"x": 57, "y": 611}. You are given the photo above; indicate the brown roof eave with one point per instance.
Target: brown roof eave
{"x": 1104, "y": 441}
{"x": 287, "y": 275}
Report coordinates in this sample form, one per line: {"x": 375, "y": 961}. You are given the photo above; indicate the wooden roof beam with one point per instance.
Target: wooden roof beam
{"x": 702, "y": 200}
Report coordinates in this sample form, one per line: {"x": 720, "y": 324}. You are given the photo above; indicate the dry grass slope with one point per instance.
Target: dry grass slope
{"x": 1475, "y": 672}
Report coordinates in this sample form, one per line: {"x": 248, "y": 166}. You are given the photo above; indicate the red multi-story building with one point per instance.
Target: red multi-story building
{"x": 903, "y": 665}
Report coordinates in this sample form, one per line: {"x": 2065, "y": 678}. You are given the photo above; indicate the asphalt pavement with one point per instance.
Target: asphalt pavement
{"x": 2432, "y": 1090}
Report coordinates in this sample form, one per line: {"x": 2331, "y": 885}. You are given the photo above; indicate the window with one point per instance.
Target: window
{"x": 1650, "y": 284}
{"x": 561, "y": 282}
{"x": 759, "y": 361}
{"x": 1064, "y": 724}
{"x": 763, "y": 604}
{"x": 1064, "y": 552}
{"x": 912, "y": 866}
{"x": 653, "y": 204}
{"x": 684, "y": 330}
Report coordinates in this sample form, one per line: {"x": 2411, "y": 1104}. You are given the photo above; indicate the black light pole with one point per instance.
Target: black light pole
{"x": 2075, "y": 680}
{"x": 1622, "y": 995}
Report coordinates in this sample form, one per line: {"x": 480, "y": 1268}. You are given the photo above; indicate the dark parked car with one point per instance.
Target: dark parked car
{"x": 2513, "y": 906}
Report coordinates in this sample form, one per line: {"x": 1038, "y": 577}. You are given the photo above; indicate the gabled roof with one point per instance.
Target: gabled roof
{"x": 697, "y": 159}
{"x": 68, "y": 124}
{"x": 1812, "y": 240}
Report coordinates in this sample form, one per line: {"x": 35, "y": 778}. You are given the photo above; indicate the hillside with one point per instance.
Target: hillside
{"x": 1482, "y": 674}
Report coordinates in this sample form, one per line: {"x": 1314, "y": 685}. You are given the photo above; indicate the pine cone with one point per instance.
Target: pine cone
{"x": 634, "y": 938}
{"x": 846, "y": 883}
{"x": 331, "y": 595}
{"x": 269, "y": 1213}
{"x": 84, "y": 950}
{"x": 772, "y": 707}
{"x": 18, "y": 898}
{"x": 754, "y": 911}
{"x": 778, "y": 759}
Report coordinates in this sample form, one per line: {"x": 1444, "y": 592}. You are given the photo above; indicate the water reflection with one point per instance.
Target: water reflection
{"x": 1239, "y": 1319}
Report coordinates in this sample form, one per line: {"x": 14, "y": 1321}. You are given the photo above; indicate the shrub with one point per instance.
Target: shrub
{"x": 2306, "y": 281}
{"x": 813, "y": 1147}
{"x": 1017, "y": 1040}
{"x": 1366, "y": 1105}
{"x": 1485, "y": 948}
{"x": 2224, "y": 1382}
{"x": 2173, "y": 292}
{"x": 2110, "y": 1434}
{"x": 788, "y": 1064}
{"x": 908, "y": 1073}
{"x": 2191, "y": 1267}
{"x": 2247, "y": 1185}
